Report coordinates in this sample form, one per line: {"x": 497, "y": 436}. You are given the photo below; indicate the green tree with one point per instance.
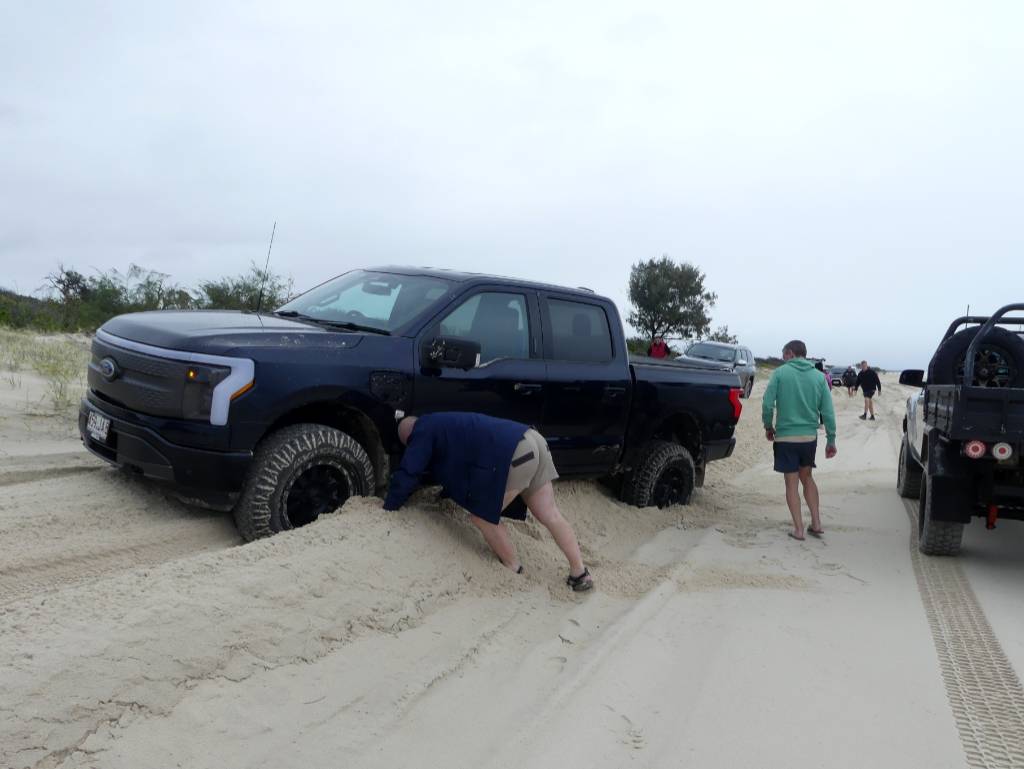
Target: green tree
{"x": 721, "y": 334}
{"x": 242, "y": 292}
{"x": 669, "y": 299}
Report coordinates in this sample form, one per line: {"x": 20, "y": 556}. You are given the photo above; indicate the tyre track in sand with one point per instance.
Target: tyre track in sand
{"x": 984, "y": 691}
{"x": 31, "y": 578}
{"x": 66, "y": 521}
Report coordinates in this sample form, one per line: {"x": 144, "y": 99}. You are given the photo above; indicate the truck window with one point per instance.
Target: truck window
{"x": 579, "y": 332}
{"x": 499, "y": 322}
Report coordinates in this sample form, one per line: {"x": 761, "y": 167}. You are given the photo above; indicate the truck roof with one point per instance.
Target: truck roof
{"x": 476, "y": 277}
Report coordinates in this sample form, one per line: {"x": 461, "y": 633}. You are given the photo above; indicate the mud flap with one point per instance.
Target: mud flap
{"x": 954, "y": 487}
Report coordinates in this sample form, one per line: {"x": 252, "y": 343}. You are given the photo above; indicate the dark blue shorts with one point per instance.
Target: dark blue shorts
{"x": 790, "y": 457}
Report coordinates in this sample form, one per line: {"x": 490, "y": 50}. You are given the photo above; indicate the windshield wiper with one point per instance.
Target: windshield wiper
{"x": 351, "y": 326}
{"x": 331, "y": 324}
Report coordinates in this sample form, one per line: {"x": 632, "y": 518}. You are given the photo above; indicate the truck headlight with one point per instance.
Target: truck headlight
{"x": 197, "y": 395}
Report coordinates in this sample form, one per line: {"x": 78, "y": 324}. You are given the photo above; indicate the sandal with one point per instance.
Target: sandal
{"x": 581, "y": 583}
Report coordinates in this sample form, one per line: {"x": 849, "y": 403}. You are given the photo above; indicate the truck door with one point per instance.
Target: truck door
{"x": 587, "y": 404}
{"x": 510, "y": 380}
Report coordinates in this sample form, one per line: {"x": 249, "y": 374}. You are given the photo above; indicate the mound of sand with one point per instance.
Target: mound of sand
{"x": 118, "y": 606}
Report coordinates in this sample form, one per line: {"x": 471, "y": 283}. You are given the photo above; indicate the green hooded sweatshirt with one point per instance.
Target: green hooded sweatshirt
{"x": 800, "y": 393}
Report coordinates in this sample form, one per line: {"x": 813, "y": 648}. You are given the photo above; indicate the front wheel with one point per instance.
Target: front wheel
{"x": 664, "y": 475}
{"x": 749, "y": 388}
{"x": 298, "y": 474}
{"x": 936, "y": 537}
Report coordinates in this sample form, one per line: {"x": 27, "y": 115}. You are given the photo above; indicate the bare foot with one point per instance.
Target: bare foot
{"x": 794, "y": 536}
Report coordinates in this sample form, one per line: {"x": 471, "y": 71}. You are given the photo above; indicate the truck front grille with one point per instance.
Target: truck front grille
{"x": 142, "y": 383}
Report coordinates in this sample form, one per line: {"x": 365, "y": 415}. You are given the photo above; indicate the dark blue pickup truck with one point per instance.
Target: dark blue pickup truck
{"x": 282, "y": 416}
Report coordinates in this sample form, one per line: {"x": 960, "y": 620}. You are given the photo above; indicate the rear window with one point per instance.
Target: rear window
{"x": 579, "y": 332}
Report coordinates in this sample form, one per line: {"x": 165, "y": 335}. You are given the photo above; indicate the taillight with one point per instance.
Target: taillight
{"x": 737, "y": 404}
{"x": 1002, "y": 451}
{"x": 975, "y": 449}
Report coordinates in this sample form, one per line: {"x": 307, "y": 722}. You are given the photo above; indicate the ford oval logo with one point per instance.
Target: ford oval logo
{"x": 109, "y": 369}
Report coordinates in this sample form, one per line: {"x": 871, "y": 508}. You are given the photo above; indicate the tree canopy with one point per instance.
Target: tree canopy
{"x": 669, "y": 299}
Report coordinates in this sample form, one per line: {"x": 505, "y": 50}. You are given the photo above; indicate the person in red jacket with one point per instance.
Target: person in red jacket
{"x": 658, "y": 349}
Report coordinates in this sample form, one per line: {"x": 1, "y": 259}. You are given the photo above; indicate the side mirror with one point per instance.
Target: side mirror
{"x": 913, "y": 377}
{"x": 444, "y": 352}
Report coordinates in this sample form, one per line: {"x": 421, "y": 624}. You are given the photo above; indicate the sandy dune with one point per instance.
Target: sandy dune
{"x": 136, "y": 632}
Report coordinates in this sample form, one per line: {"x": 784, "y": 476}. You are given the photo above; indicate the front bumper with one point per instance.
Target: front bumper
{"x": 142, "y": 449}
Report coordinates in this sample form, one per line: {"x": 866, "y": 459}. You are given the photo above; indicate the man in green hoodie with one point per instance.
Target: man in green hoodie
{"x": 800, "y": 395}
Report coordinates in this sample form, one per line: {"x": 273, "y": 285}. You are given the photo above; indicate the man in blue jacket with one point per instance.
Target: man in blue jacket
{"x": 490, "y": 467}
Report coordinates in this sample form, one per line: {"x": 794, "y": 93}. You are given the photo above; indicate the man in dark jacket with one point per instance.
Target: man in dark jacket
{"x": 850, "y": 381}
{"x": 869, "y": 384}
{"x": 490, "y": 467}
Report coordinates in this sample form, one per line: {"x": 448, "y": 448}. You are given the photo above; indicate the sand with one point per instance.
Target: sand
{"x": 138, "y": 632}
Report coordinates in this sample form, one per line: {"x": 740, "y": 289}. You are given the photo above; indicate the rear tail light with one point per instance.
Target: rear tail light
{"x": 1002, "y": 451}
{"x": 975, "y": 449}
{"x": 737, "y": 404}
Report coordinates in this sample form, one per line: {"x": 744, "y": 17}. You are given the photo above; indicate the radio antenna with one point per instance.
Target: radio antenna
{"x": 266, "y": 270}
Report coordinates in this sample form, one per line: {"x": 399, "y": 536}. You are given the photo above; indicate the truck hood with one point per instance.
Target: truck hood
{"x": 218, "y": 331}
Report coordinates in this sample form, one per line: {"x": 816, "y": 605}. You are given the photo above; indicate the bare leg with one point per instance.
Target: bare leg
{"x": 867, "y": 405}
{"x": 811, "y": 495}
{"x": 793, "y": 500}
{"x": 497, "y": 536}
{"x": 871, "y": 408}
{"x": 542, "y": 505}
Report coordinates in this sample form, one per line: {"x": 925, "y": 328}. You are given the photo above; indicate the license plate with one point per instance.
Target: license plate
{"x": 98, "y": 426}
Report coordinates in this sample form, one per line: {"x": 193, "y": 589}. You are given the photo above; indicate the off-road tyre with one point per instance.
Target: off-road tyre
{"x": 305, "y": 453}
{"x": 663, "y": 475}
{"x": 749, "y": 388}
{"x": 909, "y": 473}
{"x": 935, "y": 537}
{"x": 945, "y": 365}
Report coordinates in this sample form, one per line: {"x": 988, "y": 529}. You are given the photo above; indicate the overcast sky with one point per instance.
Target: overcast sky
{"x": 846, "y": 173}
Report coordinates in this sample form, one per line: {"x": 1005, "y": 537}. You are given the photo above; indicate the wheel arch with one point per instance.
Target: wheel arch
{"x": 683, "y": 428}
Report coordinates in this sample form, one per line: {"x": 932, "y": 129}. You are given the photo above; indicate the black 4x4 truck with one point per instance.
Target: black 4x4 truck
{"x": 282, "y": 416}
{"x": 964, "y": 431}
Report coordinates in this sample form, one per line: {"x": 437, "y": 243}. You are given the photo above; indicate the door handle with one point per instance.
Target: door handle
{"x": 613, "y": 392}
{"x": 527, "y": 388}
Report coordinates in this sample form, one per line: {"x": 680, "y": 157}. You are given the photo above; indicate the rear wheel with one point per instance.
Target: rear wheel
{"x": 664, "y": 475}
{"x": 908, "y": 476}
{"x": 298, "y": 474}
{"x": 936, "y": 537}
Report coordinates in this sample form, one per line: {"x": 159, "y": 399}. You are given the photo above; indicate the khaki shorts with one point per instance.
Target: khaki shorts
{"x": 532, "y": 465}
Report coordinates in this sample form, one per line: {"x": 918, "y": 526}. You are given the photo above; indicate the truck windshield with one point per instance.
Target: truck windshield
{"x": 712, "y": 352}
{"x": 373, "y": 300}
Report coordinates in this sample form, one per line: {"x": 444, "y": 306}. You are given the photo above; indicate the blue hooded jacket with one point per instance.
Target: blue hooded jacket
{"x": 468, "y": 454}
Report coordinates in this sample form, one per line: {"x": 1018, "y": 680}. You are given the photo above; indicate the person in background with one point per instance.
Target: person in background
{"x": 793, "y": 402}
{"x": 659, "y": 349}
{"x": 850, "y": 381}
{"x": 491, "y": 467}
{"x": 869, "y": 384}
{"x": 821, "y": 367}
{"x": 828, "y": 380}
